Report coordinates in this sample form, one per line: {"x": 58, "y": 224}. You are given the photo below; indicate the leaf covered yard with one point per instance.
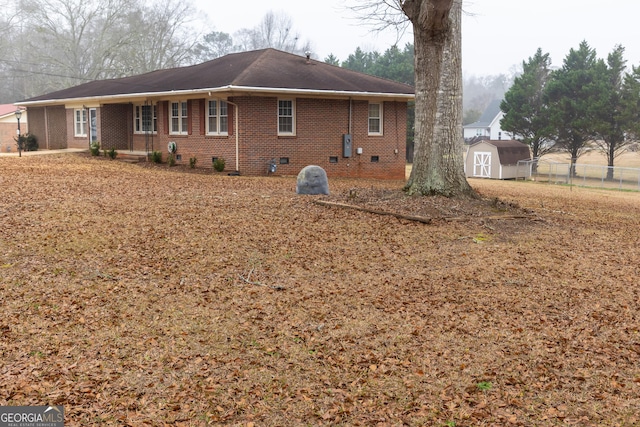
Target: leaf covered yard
{"x": 145, "y": 295}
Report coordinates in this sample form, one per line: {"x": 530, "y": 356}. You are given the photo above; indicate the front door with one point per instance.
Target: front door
{"x": 482, "y": 164}
{"x": 93, "y": 125}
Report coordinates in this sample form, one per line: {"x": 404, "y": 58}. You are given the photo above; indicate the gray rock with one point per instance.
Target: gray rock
{"x": 312, "y": 180}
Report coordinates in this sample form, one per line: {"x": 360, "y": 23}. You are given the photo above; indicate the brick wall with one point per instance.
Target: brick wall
{"x": 116, "y": 124}
{"x": 196, "y": 144}
{"x": 8, "y": 131}
{"x": 56, "y": 127}
{"x": 49, "y": 125}
{"x": 320, "y": 125}
{"x": 36, "y": 127}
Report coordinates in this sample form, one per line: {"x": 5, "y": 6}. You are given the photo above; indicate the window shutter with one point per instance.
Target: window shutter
{"x": 166, "y": 113}
{"x": 190, "y": 116}
{"x": 203, "y": 116}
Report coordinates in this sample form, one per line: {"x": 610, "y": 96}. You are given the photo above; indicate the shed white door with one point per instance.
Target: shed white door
{"x": 482, "y": 164}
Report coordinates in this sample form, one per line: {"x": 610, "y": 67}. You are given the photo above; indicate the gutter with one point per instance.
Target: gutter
{"x": 128, "y": 97}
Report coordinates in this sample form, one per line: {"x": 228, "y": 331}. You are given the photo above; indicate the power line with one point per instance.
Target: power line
{"x": 44, "y": 73}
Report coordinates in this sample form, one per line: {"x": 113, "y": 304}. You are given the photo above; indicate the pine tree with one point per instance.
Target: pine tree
{"x": 574, "y": 95}
{"x": 611, "y": 124}
{"x": 525, "y": 111}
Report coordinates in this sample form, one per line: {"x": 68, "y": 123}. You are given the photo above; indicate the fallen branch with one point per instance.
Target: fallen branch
{"x": 493, "y": 217}
{"x": 422, "y": 219}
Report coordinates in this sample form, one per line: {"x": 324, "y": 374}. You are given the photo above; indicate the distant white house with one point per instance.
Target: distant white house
{"x": 488, "y": 126}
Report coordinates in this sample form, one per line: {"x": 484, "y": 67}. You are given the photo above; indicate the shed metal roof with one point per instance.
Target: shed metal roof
{"x": 7, "y": 110}
{"x": 509, "y": 151}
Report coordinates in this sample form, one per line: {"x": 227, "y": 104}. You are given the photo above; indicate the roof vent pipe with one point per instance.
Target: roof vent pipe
{"x": 308, "y": 53}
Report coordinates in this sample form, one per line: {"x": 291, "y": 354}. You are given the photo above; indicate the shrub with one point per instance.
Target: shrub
{"x": 171, "y": 160}
{"x": 112, "y": 153}
{"x": 32, "y": 142}
{"x": 156, "y": 157}
{"x": 27, "y": 142}
{"x": 192, "y": 162}
{"x": 218, "y": 164}
{"x": 94, "y": 148}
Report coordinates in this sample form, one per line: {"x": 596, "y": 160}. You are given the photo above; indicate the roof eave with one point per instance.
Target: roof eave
{"x": 229, "y": 88}
{"x": 321, "y": 92}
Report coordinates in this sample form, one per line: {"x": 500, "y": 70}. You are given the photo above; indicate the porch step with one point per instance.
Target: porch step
{"x": 131, "y": 157}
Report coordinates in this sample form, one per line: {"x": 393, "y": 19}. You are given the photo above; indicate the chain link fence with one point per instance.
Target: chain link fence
{"x": 613, "y": 177}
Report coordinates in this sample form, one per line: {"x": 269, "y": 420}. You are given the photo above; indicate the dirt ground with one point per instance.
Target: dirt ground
{"x": 143, "y": 295}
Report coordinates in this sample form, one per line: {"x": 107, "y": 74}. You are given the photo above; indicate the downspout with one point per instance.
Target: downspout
{"x": 131, "y": 125}
{"x": 398, "y": 136}
{"x": 235, "y": 119}
{"x": 350, "y": 124}
{"x": 350, "y": 112}
{"x": 46, "y": 128}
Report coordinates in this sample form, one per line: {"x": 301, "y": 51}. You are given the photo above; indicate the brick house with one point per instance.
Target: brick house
{"x": 9, "y": 127}
{"x": 248, "y": 108}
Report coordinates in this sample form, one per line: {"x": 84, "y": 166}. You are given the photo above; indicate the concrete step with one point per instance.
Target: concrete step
{"x": 131, "y": 157}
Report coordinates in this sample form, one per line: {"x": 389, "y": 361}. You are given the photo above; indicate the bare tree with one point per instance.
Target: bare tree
{"x": 61, "y": 43}
{"x": 164, "y": 36}
{"x": 10, "y": 49}
{"x": 49, "y": 45}
{"x": 438, "y": 166}
{"x": 74, "y": 40}
{"x": 213, "y": 45}
{"x": 276, "y": 31}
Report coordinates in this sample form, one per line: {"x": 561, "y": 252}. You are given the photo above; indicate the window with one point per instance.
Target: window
{"x": 80, "y": 122}
{"x": 145, "y": 118}
{"x": 375, "y": 119}
{"x": 179, "y": 119}
{"x": 286, "y": 121}
{"x": 217, "y": 117}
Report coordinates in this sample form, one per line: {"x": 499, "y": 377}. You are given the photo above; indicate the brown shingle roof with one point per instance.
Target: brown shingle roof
{"x": 266, "y": 69}
{"x": 511, "y": 151}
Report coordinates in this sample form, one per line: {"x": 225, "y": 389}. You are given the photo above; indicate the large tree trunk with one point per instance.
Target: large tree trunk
{"x": 438, "y": 162}
{"x": 611, "y": 157}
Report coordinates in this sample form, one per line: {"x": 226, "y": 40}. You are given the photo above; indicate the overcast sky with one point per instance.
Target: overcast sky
{"x": 497, "y": 34}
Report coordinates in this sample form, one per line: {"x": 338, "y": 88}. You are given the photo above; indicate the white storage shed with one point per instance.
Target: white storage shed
{"x": 497, "y": 159}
